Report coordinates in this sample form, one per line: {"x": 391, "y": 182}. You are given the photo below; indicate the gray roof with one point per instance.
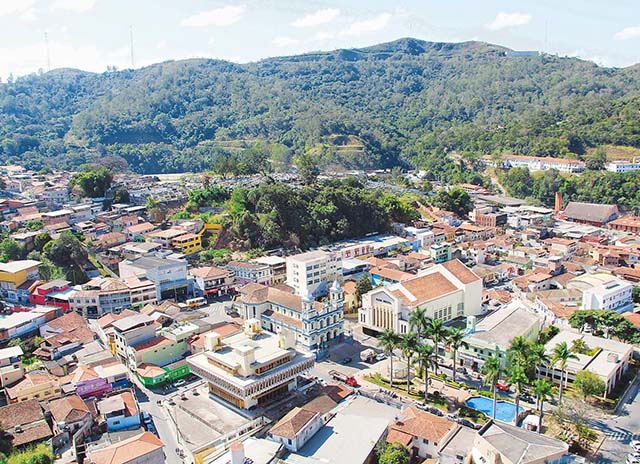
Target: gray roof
{"x": 592, "y": 212}
{"x": 521, "y": 446}
{"x": 503, "y": 325}
{"x": 153, "y": 262}
{"x": 130, "y": 322}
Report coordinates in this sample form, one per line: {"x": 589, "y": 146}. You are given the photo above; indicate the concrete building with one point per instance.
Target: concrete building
{"x": 20, "y": 324}
{"x": 447, "y": 291}
{"x": 212, "y": 280}
{"x": 590, "y": 213}
{"x": 250, "y": 368}
{"x": 278, "y": 267}
{"x": 40, "y": 386}
{"x": 105, "y": 295}
{"x": 539, "y": 163}
{"x": 314, "y": 324}
{"x": 69, "y": 414}
{"x": 603, "y": 291}
{"x": 11, "y": 369}
{"x": 623, "y": 166}
{"x": 310, "y": 273}
{"x": 13, "y": 275}
{"x": 120, "y": 411}
{"x": 24, "y": 423}
{"x": 609, "y": 359}
{"x": 131, "y": 331}
{"x": 245, "y": 273}
{"x": 169, "y": 275}
{"x": 145, "y": 448}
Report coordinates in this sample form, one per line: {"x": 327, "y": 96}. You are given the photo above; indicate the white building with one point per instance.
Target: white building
{"x": 250, "y": 368}
{"x": 604, "y": 291}
{"x": 309, "y": 273}
{"x": 314, "y": 324}
{"x": 538, "y": 163}
{"x": 446, "y": 291}
{"x": 623, "y": 166}
{"x": 104, "y": 295}
{"x": 169, "y": 275}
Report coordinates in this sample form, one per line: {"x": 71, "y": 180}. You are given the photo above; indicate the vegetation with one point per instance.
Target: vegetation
{"x": 606, "y": 323}
{"x": 455, "y": 340}
{"x": 588, "y": 384}
{"x": 39, "y": 454}
{"x": 363, "y": 285}
{"x": 66, "y": 253}
{"x": 392, "y": 453}
{"x": 93, "y": 181}
{"x": 406, "y": 102}
{"x": 455, "y": 199}
{"x": 388, "y": 341}
{"x": 543, "y": 390}
{"x": 491, "y": 372}
{"x": 561, "y": 356}
{"x": 408, "y": 344}
{"x": 10, "y": 250}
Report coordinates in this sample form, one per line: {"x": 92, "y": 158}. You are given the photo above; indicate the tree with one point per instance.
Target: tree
{"x": 11, "y": 250}
{"x": 40, "y": 240}
{"x": 65, "y": 251}
{"x": 560, "y": 356}
{"x": 363, "y": 285}
{"x": 491, "y": 372}
{"x": 455, "y": 339}
{"x": 538, "y": 358}
{"x": 516, "y": 376}
{"x": 436, "y": 331}
{"x": 93, "y": 182}
{"x": 408, "y": 344}
{"x": 455, "y": 199}
{"x": 121, "y": 196}
{"x": 588, "y": 383}
{"x": 419, "y": 321}
{"x": 388, "y": 340}
{"x": 425, "y": 361}
{"x": 307, "y": 165}
{"x": 394, "y": 453}
{"x": 543, "y": 390}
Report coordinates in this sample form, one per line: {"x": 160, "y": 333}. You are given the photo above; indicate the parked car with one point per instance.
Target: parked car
{"x": 423, "y": 406}
{"x": 632, "y": 460}
{"x": 461, "y": 369}
{"x": 179, "y": 383}
{"x": 503, "y": 385}
{"x": 346, "y": 360}
{"x": 452, "y": 417}
{"x": 635, "y": 444}
{"x": 466, "y": 423}
{"x": 528, "y": 397}
{"x": 146, "y": 418}
{"x": 436, "y": 411}
{"x": 381, "y": 356}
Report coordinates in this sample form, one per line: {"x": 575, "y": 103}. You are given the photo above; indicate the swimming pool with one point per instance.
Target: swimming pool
{"x": 505, "y": 411}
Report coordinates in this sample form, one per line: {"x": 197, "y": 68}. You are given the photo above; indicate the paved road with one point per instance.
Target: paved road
{"x": 621, "y": 428}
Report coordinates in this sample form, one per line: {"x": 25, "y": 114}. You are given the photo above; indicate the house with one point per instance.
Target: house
{"x": 86, "y": 382}
{"x": 629, "y": 224}
{"x": 212, "y": 280}
{"x": 120, "y": 411}
{"x": 168, "y": 274}
{"x": 310, "y": 273}
{"x": 69, "y": 414}
{"x": 622, "y": 166}
{"x": 144, "y": 448}
{"x": 540, "y": 163}
{"x": 35, "y": 385}
{"x": 351, "y": 302}
{"x": 387, "y": 276}
{"x": 14, "y": 274}
{"x": 315, "y": 325}
{"x": 63, "y": 335}
{"x": 533, "y": 282}
{"x": 247, "y": 272}
{"x": 24, "y": 423}
{"x": 187, "y": 244}
{"x": 137, "y": 232}
{"x": 421, "y": 432}
{"x": 278, "y": 267}
{"x": 131, "y": 331}
{"x": 609, "y": 359}
{"x": 251, "y": 368}
{"x": 601, "y": 290}
{"x": 446, "y": 291}
{"x": 53, "y": 293}
{"x": 498, "y": 442}
{"x": 590, "y": 213}
{"x": 11, "y": 369}
{"x": 103, "y": 295}
{"x": 20, "y": 324}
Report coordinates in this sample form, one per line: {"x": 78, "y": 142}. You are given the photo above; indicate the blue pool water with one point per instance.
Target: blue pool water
{"x": 505, "y": 411}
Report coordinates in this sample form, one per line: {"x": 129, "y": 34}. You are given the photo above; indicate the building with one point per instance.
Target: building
{"x": 120, "y": 411}
{"x": 440, "y": 252}
{"x": 603, "y": 291}
{"x": 169, "y": 275}
{"x": 498, "y": 442}
{"x": 446, "y": 291}
{"x": 310, "y": 273}
{"x": 187, "y": 244}
{"x": 21, "y": 324}
{"x": 250, "y": 368}
{"x": 422, "y": 433}
{"x": 63, "y": 335}
{"x": 626, "y": 224}
{"x": 69, "y": 414}
{"x": 590, "y": 213}
{"x": 623, "y": 166}
{"x": 11, "y": 369}
{"x": 607, "y": 358}
{"x": 278, "y": 267}
{"x": 493, "y": 335}
{"x": 562, "y": 246}
{"x": 24, "y": 423}
{"x": 14, "y": 274}
{"x": 35, "y": 385}
{"x": 105, "y": 295}
{"x": 137, "y": 232}
{"x": 212, "y": 280}
{"x": 145, "y": 448}
{"x": 166, "y": 237}
{"x": 245, "y": 273}
{"x": 538, "y": 163}
{"x": 315, "y": 325}
{"x": 132, "y": 331}
{"x": 53, "y": 293}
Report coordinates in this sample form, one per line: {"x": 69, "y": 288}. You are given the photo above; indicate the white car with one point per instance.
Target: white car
{"x": 632, "y": 460}
{"x": 179, "y": 383}
{"x": 635, "y": 444}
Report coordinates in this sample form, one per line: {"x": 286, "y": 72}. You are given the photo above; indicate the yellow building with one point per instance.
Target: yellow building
{"x": 40, "y": 386}
{"x": 14, "y": 274}
{"x": 187, "y": 244}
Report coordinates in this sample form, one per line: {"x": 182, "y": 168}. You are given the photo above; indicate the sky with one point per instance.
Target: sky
{"x": 95, "y": 34}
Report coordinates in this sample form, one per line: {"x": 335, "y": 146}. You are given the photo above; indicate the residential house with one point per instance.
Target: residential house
{"x": 24, "y": 423}
{"x": 144, "y": 448}
{"x": 168, "y": 274}
{"x": 21, "y": 324}
{"x": 69, "y": 414}
{"x": 247, "y": 272}
{"x": 13, "y": 275}
{"x": 104, "y": 295}
{"x": 137, "y": 232}
{"x": 53, "y": 293}
{"x": 63, "y": 335}
{"x": 120, "y": 411}
{"x": 212, "y": 280}
{"x": 35, "y": 385}
{"x": 11, "y": 368}
{"x": 278, "y": 267}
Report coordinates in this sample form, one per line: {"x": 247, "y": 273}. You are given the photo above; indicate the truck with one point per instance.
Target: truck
{"x": 368, "y": 356}
{"x": 341, "y": 377}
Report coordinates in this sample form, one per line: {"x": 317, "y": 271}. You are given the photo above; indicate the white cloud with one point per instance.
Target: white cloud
{"x": 224, "y": 16}
{"x": 316, "y": 19}
{"x": 369, "y": 25}
{"x": 22, "y": 9}
{"x": 77, "y": 6}
{"x": 504, "y": 20}
{"x": 284, "y": 41}
{"x": 632, "y": 32}
{"x": 322, "y": 35}
{"x": 161, "y": 44}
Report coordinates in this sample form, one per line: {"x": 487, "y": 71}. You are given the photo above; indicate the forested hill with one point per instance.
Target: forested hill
{"x": 406, "y": 102}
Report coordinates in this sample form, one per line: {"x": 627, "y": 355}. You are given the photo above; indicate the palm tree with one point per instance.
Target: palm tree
{"x": 419, "y": 321}
{"x": 408, "y": 343}
{"x": 491, "y": 370}
{"x": 455, "y": 340}
{"x": 517, "y": 377}
{"x": 519, "y": 349}
{"x": 436, "y": 331}
{"x": 425, "y": 361}
{"x": 543, "y": 390}
{"x": 538, "y": 357}
{"x": 388, "y": 341}
{"x": 560, "y": 356}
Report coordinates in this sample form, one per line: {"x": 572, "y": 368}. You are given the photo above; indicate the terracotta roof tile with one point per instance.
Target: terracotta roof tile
{"x": 422, "y": 424}
{"x": 126, "y": 451}
{"x": 292, "y": 423}
{"x": 462, "y": 272}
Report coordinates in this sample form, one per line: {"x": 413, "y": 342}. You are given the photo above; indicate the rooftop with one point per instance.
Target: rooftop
{"x": 17, "y": 266}
{"x": 501, "y": 326}
{"x": 126, "y": 451}
{"x": 590, "y": 212}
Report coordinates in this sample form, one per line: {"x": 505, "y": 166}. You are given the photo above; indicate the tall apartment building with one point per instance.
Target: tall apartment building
{"x": 104, "y": 295}
{"x": 310, "y": 273}
{"x": 169, "y": 275}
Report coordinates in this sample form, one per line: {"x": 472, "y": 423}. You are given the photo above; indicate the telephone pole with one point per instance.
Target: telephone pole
{"x": 131, "y": 44}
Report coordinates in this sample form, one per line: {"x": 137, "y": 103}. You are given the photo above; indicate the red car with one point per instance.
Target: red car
{"x": 503, "y": 385}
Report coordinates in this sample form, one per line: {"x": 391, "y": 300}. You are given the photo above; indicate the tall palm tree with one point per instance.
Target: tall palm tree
{"x": 518, "y": 377}
{"x": 543, "y": 390}
{"x": 425, "y": 361}
{"x": 491, "y": 371}
{"x": 436, "y": 332}
{"x": 538, "y": 357}
{"x": 408, "y": 344}
{"x": 388, "y": 341}
{"x": 455, "y": 340}
{"x": 519, "y": 349}
{"x": 419, "y": 321}
{"x": 560, "y": 356}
